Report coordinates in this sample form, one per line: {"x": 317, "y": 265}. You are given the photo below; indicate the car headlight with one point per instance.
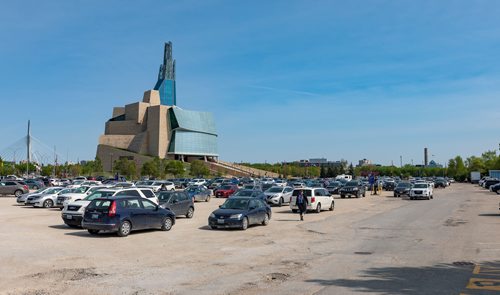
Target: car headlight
{"x": 236, "y": 216}
{"x": 355, "y": 189}
{"x": 212, "y": 215}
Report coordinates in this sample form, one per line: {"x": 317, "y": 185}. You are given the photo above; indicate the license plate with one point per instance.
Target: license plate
{"x": 95, "y": 216}
{"x": 69, "y": 217}
{"x": 220, "y": 221}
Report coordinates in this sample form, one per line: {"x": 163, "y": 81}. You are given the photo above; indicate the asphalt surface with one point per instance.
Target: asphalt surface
{"x": 376, "y": 245}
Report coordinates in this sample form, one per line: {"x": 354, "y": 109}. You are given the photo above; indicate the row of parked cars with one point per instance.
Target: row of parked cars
{"x": 492, "y": 184}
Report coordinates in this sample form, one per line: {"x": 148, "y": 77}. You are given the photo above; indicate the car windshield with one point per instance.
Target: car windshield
{"x": 245, "y": 193}
{"x": 66, "y": 191}
{"x": 420, "y": 185}
{"x": 52, "y": 190}
{"x": 225, "y": 187}
{"x": 144, "y": 183}
{"x": 352, "y": 183}
{"x": 79, "y": 190}
{"x": 193, "y": 189}
{"x": 235, "y": 203}
{"x": 41, "y": 190}
{"x": 275, "y": 190}
{"x": 164, "y": 196}
{"x": 404, "y": 184}
{"x": 99, "y": 194}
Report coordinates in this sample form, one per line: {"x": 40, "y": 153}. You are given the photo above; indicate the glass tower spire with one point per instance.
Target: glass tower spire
{"x": 166, "y": 78}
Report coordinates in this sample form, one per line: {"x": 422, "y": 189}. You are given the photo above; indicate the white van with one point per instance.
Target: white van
{"x": 318, "y": 199}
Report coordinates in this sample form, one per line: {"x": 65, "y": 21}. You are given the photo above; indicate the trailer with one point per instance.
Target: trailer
{"x": 475, "y": 176}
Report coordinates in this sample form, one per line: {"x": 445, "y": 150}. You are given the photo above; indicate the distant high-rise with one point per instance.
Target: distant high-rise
{"x": 166, "y": 78}
{"x": 426, "y": 157}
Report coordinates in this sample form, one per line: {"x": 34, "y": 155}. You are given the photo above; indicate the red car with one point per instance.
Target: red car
{"x": 225, "y": 191}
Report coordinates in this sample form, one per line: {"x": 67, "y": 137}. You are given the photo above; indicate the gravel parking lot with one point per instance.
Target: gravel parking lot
{"x": 40, "y": 255}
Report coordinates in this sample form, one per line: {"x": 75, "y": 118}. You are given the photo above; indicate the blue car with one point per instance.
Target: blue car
{"x": 123, "y": 214}
{"x": 240, "y": 212}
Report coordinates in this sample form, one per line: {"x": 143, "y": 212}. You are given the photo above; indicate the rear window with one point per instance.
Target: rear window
{"x": 307, "y": 193}
{"x": 99, "y": 205}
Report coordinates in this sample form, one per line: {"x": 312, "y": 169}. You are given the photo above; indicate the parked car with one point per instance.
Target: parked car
{"x": 490, "y": 182}
{"x": 199, "y": 193}
{"x": 225, "y": 191}
{"x": 72, "y": 213}
{"x": 45, "y": 200}
{"x": 389, "y": 185}
{"x": 495, "y": 188}
{"x": 197, "y": 181}
{"x": 178, "y": 202}
{"x": 402, "y": 189}
{"x": 334, "y": 187}
{"x": 74, "y": 194}
{"x": 240, "y": 212}
{"x": 277, "y": 195}
{"x": 156, "y": 185}
{"x": 421, "y": 190}
{"x": 125, "y": 214}
{"x": 34, "y": 184}
{"x": 250, "y": 193}
{"x": 440, "y": 182}
{"x": 353, "y": 188}
{"x": 22, "y": 199}
{"x": 318, "y": 199}
{"x": 10, "y": 187}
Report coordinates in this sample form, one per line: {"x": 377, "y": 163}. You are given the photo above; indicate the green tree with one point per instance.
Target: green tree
{"x": 175, "y": 168}
{"x": 198, "y": 168}
{"x": 126, "y": 167}
{"x": 150, "y": 168}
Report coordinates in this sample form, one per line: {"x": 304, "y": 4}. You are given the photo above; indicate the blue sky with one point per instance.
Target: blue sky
{"x": 286, "y": 80}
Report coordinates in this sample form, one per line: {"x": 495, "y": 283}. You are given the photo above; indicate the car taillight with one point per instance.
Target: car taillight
{"x": 313, "y": 199}
{"x": 112, "y": 209}
{"x": 25, "y": 187}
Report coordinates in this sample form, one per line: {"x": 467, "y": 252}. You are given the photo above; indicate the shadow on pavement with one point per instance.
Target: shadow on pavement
{"x": 437, "y": 279}
{"x": 489, "y": 214}
{"x": 64, "y": 226}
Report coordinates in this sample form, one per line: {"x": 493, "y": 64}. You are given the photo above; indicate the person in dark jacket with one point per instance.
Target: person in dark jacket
{"x": 302, "y": 203}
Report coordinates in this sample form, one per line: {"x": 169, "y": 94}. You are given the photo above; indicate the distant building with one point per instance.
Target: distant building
{"x": 320, "y": 162}
{"x": 364, "y": 162}
{"x": 156, "y": 127}
{"x": 433, "y": 164}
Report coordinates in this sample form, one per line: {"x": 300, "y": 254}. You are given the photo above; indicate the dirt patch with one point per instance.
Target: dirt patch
{"x": 67, "y": 274}
{"x": 454, "y": 222}
{"x": 277, "y": 277}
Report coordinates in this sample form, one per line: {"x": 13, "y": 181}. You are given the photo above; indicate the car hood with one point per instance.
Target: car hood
{"x": 73, "y": 195}
{"x": 79, "y": 203}
{"x": 228, "y": 211}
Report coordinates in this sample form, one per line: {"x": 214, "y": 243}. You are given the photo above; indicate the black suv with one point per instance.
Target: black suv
{"x": 124, "y": 214}
{"x": 353, "y": 188}
{"x": 402, "y": 189}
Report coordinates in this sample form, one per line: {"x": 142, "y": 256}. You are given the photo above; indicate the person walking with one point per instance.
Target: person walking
{"x": 302, "y": 203}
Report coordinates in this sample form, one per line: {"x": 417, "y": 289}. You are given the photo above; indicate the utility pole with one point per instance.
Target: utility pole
{"x": 401, "y": 161}
{"x": 28, "y": 145}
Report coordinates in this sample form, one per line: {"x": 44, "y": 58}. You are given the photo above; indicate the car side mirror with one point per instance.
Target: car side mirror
{"x": 157, "y": 207}
{"x": 252, "y": 208}
{"x": 220, "y": 206}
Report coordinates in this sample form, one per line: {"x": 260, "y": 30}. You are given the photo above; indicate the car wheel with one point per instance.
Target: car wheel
{"x": 318, "y": 208}
{"x": 190, "y": 212}
{"x": 93, "y": 231}
{"x": 280, "y": 202}
{"x": 48, "y": 204}
{"x": 332, "y": 206}
{"x": 173, "y": 189}
{"x": 124, "y": 229}
{"x": 395, "y": 195}
{"x": 432, "y": 197}
{"x": 411, "y": 198}
{"x": 244, "y": 223}
{"x": 212, "y": 227}
{"x": 72, "y": 225}
{"x": 35, "y": 187}
{"x": 167, "y": 224}
{"x": 18, "y": 193}
{"x": 364, "y": 194}
{"x": 266, "y": 220}
{"x": 207, "y": 199}
{"x": 342, "y": 196}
